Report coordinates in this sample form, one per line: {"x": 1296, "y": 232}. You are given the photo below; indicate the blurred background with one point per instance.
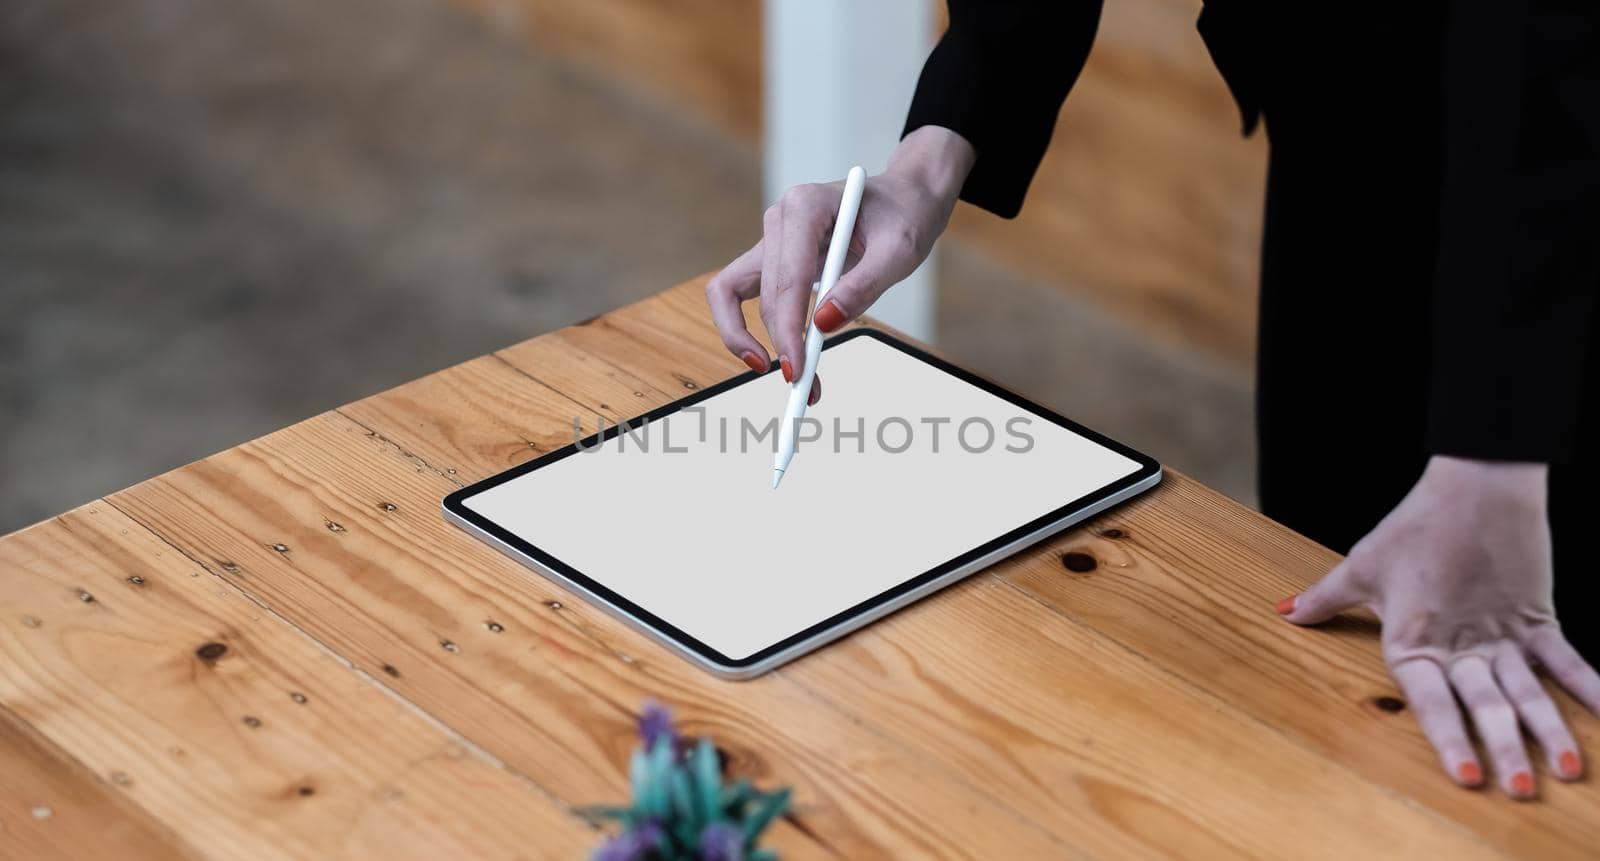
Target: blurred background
{"x": 217, "y": 219}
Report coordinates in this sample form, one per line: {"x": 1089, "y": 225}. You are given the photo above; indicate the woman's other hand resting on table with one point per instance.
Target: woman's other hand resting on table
{"x": 1460, "y": 574}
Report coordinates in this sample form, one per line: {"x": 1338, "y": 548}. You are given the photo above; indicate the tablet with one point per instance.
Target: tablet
{"x": 910, "y": 474}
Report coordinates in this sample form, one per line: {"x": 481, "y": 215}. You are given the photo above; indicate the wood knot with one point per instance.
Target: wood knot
{"x": 451, "y": 470}
{"x": 495, "y": 627}
{"x": 554, "y": 605}
{"x": 1078, "y": 562}
{"x": 1392, "y": 705}
{"x": 392, "y": 670}
{"x": 298, "y": 697}
{"x": 210, "y": 652}
{"x": 306, "y": 791}
{"x": 1113, "y": 533}
{"x": 281, "y": 547}
{"x": 387, "y": 506}
{"x": 136, "y": 580}
{"x": 449, "y": 646}
{"x": 85, "y": 597}
{"x": 230, "y": 567}
{"x": 333, "y": 527}
{"x": 252, "y": 721}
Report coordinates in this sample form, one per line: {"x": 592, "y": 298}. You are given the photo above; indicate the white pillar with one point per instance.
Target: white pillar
{"x": 839, "y": 77}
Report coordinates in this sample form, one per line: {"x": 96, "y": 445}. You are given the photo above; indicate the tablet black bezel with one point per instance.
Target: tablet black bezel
{"x": 455, "y": 504}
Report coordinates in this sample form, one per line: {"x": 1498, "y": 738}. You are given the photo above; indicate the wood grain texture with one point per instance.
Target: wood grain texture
{"x": 779, "y": 715}
{"x": 227, "y": 725}
{"x": 1211, "y": 578}
{"x": 52, "y": 807}
{"x": 438, "y": 699}
{"x": 942, "y": 717}
{"x": 938, "y": 663}
{"x": 553, "y": 692}
{"x": 1148, "y": 201}
{"x": 1184, "y": 565}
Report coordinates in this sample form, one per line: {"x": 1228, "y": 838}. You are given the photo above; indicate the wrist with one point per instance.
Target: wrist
{"x": 1526, "y": 480}
{"x": 936, "y": 158}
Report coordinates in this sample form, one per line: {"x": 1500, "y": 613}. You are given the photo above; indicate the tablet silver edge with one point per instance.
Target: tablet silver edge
{"x": 824, "y": 637}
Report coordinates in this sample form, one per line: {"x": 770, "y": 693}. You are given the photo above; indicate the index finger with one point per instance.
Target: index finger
{"x": 726, "y": 293}
{"x": 792, "y": 261}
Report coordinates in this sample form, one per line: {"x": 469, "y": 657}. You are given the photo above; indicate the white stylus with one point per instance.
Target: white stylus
{"x": 854, "y": 183}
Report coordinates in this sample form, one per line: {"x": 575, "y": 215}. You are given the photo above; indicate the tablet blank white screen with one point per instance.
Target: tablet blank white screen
{"x": 680, "y": 517}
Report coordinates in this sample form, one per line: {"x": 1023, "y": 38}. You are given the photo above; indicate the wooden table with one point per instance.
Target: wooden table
{"x": 284, "y": 651}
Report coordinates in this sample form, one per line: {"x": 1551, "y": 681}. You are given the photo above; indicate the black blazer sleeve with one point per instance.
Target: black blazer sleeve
{"x": 998, "y": 77}
{"x": 1519, "y": 243}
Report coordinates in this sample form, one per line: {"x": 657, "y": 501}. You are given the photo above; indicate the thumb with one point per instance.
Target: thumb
{"x": 857, "y": 289}
{"x": 1336, "y": 592}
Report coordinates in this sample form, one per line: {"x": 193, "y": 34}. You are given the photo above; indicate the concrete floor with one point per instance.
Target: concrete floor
{"x": 217, "y": 219}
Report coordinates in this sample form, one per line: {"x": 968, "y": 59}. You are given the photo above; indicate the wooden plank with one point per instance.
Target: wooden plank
{"x": 547, "y": 685}
{"x": 53, "y": 807}
{"x": 1055, "y": 778}
{"x": 1038, "y": 744}
{"x": 486, "y": 390}
{"x": 1186, "y": 578}
{"x": 593, "y": 668}
{"x": 228, "y": 725}
{"x": 673, "y": 313}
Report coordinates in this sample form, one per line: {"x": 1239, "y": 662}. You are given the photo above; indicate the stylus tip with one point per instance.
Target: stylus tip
{"x": 777, "y": 476}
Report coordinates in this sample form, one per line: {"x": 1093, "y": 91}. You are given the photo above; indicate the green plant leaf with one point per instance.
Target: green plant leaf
{"x": 734, "y": 797}
{"x": 639, "y": 773}
{"x": 654, "y": 800}
{"x": 769, "y": 807}
{"x": 683, "y": 800}
{"x": 709, "y": 775}
{"x": 685, "y": 840}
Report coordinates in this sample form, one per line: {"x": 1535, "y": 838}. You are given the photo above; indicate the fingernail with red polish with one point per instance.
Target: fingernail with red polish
{"x": 754, "y": 362}
{"x": 1470, "y": 773}
{"x": 1571, "y": 766}
{"x": 828, "y": 316}
{"x": 816, "y": 392}
{"x": 788, "y": 370}
{"x": 1286, "y": 606}
{"x": 1522, "y": 783}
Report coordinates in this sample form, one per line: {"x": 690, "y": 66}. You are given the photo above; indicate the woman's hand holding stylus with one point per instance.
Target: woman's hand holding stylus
{"x": 1460, "y": 574}
{"x": 903, "y": 210}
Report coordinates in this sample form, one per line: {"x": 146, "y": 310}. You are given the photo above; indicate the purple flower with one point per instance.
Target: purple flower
{"x": 655, "y": 722}
{"x": 721, "y": 842}
{"x": 631, "y": 845}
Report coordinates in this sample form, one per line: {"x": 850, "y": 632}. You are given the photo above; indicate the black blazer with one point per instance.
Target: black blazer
{"x": 1518, "y": 246}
